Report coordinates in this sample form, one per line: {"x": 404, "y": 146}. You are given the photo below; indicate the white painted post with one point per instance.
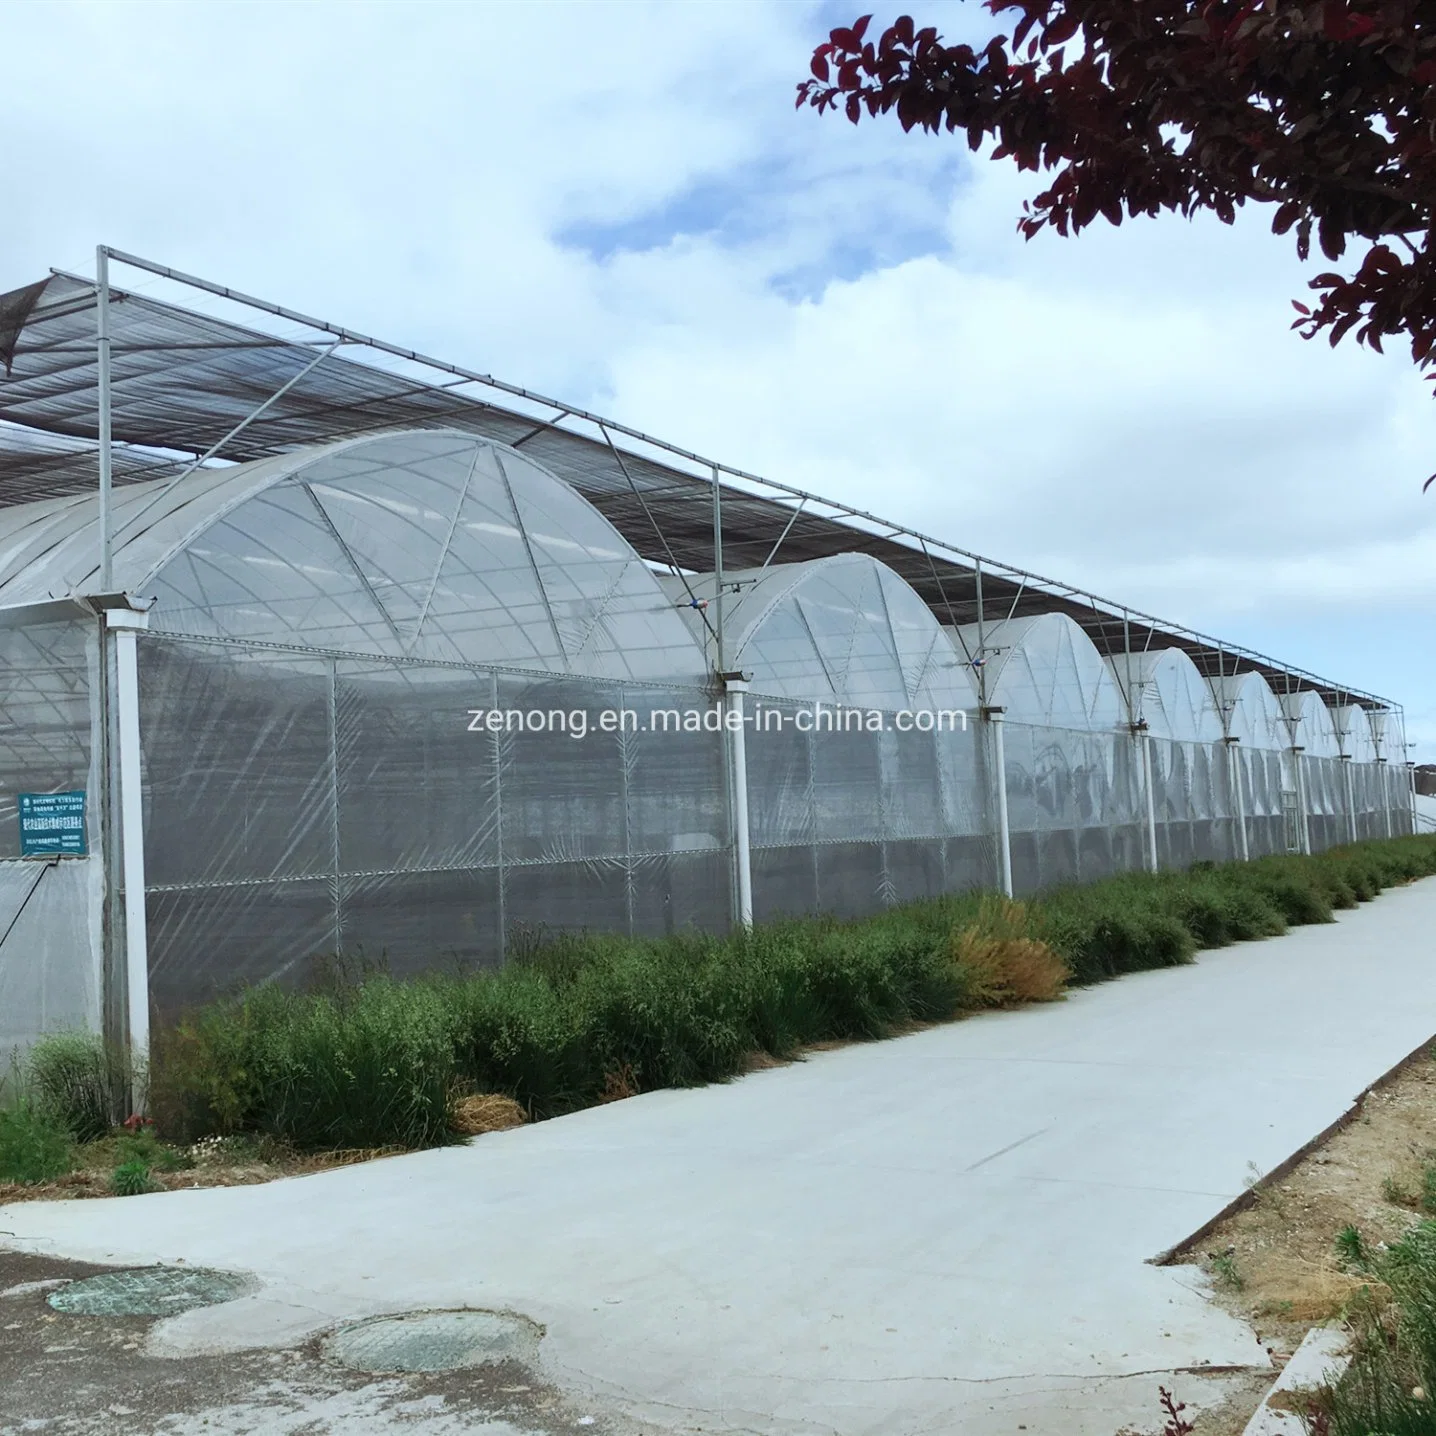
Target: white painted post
{"x": 1150, "y": 784}
{"x": 1004, "y": 832}
{"x": 1350, "y": 796}
{"x": 1234, "y": 757}
{"x": 124, "y": 623}
{"x": 742, "y": 850}
{"x": 1300, "y": 772}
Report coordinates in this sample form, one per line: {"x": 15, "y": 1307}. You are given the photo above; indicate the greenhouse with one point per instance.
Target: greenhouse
{"x": 337, "y": 663}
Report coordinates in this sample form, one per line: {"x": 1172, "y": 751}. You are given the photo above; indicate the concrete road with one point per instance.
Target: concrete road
{"x": 946, "y": 1232}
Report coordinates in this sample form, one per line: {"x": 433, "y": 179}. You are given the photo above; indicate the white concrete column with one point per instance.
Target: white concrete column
{"x": 737, "y": 734}
{"x": 1350, "y": 789}
{"x": 993, "y": 717}
{"x": 1384, "y": 768}
{"x": 1239, "y": 801}
{"x": 122, "y": 625}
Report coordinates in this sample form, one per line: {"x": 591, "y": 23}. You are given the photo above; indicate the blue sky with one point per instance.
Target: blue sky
{"x": 618, "y": 204}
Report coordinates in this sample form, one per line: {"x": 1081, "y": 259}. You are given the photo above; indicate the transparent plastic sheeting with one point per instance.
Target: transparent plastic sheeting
{"x": 325, "y": 624}
{"x": 50, "y": 910}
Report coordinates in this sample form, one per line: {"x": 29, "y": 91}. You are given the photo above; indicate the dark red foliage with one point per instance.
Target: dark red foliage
{"x": 1324, "y": 108}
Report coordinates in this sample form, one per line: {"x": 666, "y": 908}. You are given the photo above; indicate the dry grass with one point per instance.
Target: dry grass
{"x": 1282, "y": 1247}
{"x": 1004, "y": 964}
{"x": 97, "y": 1160}
{"x": 486, "y": 1112}
{"x": 619, "y": 1084}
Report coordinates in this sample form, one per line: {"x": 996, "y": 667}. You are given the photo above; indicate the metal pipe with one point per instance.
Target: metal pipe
{"x": 1004, "y": 832}
{"x": 350, "y": 336}
{"x": 742, "y": 851}
{"x": 719, "y": 664}
{"x": 1304, "y": 827}
{"x": 102, "y": 328}
{"x": 1149, "y": 783}
{"x": 982, "y": 665}
{"x": 1234, "y": 757}
{"x": 123, "y": 624}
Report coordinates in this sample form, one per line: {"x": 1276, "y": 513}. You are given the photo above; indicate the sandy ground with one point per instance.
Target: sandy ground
{"x": 1275, "y": 1263}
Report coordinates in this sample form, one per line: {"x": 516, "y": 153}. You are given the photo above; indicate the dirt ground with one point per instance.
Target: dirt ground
{"x": 91, "y": 1376}
{"x": 241, "y": 1162}
{"x": 91, "y": 1178}
{"x": 1275, "y": 1264}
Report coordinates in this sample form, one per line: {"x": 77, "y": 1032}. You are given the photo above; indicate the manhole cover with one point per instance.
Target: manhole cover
{"x": 149, "y": 1291}
{"x": 434, "y": 1341}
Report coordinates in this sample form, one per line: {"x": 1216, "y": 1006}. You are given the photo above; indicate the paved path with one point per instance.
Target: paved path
{"x": 948, "y": 1232}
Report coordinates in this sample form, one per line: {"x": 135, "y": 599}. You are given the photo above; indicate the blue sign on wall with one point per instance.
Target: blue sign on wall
{"x": 52, "y": 823}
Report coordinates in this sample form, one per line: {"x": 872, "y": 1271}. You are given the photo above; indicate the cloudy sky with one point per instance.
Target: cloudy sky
{"x": 617, "y": 204}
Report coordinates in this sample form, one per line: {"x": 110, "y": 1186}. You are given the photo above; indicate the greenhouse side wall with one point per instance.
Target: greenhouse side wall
{"x": 846, "y": 821}
{"x": 51, "y": 952}
{"x": 1074, "y": 805}
{"x": 300, "y": 806}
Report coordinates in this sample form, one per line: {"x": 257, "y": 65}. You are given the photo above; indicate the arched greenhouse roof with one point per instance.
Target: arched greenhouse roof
{"x": 844, "y": 629}
{"x": 1251, "y": 712}
{"x": 1044, "y": 670}
{"x": 1310, "y": 723}
{"x": 427, "y": 544}
{"x": 1353, "y": 733}
{"x": 1388, "y": 734}
{"x": 1169, "y": 695}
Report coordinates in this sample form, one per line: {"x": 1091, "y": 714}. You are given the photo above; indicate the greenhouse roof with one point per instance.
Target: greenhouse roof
{"x": 191, "y": 387}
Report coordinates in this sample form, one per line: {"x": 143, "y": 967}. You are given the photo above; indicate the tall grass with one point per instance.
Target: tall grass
{"x": 1388, "y": 1386}
{"x": 371, "y": 1062}
{"x": 79, "y": 1082}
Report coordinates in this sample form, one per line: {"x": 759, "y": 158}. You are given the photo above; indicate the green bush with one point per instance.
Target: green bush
{"x": 33, "y": 1146}
{"x": 131, "y": 1179}
{"x": 79, "y": 1081}
{"x": 365, "y": 1061}
{"x": 1388, "y": 1385}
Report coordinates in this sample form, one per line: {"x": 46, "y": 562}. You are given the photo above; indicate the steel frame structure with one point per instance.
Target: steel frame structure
{"x": 756, "y": 519}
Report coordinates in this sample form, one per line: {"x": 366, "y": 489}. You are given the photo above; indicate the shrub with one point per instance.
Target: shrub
{"x": 1002, "y": 963}
{"x": 1389, "y": 1383}
{"x": 131, "y": 1179}
{"x": 80, "y": 1081}
{"x": 34, "y": 1148}
{"x": 365, "y": 1061}
{"x": 371, "y": 1066}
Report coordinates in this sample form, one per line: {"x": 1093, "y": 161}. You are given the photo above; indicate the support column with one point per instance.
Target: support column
{"x": 102, "y": 420}
{"x": 121, "y": 627}
{"x": 1239, "y": 800}
{"x": 735, "y": 686}
{"x": 1140, "y": 733}
{"x": 1350, "y": 789}
{"x": 1299, "y": 777}
{"x": 1384, "y": 769}
{"x": 993, "y": 717}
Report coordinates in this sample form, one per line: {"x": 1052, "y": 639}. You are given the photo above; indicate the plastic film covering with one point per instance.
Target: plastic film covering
{"x": 50, "y": 917}
{"x": 845, "y": 629}
{"x": 847, "y": 816}
{"x": 1044, "y": 671}
{"x": 300, "y": 805}
{"x": 332, "y": 629}
{"x": 1074, "y": 805}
